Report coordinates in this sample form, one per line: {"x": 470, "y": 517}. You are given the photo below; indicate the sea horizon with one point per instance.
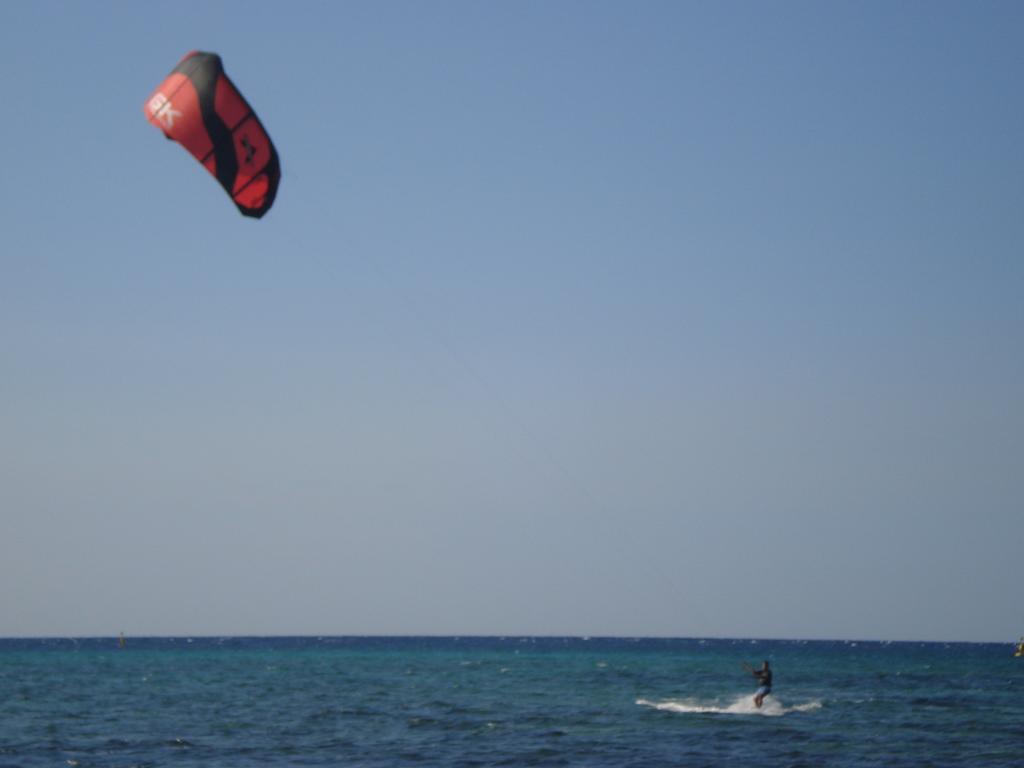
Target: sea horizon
{"x": 497, "y": 635}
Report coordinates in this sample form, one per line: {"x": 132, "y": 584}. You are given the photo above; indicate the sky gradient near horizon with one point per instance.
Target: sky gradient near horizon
{"x": 589, "y": 318}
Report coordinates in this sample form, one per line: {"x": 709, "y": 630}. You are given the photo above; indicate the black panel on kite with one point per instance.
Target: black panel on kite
{"x": 199, "y": 107}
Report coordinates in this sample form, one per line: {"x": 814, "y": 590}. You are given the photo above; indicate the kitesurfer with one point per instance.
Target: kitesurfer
{"x": 764, "y": 677}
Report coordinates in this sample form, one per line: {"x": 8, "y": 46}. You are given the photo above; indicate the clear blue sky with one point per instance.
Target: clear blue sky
{"x": 694, "y": 319}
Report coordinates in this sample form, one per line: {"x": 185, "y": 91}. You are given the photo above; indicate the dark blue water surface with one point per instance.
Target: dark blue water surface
{"x": 378, "y": 701}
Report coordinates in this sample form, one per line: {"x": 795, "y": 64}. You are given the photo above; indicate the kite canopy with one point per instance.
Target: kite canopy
{"x": 200, "y": 108}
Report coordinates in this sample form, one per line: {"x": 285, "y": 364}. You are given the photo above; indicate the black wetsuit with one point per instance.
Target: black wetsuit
{"x": 764, "y": 676}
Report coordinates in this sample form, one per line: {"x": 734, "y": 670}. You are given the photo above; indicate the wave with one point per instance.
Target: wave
{"x": 744, "y": 705}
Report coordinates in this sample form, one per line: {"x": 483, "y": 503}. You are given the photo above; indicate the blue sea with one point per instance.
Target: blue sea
{"x": 510, "y": 701}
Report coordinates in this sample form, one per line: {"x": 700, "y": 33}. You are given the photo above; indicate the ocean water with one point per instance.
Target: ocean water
{"x": 343, "y": 701}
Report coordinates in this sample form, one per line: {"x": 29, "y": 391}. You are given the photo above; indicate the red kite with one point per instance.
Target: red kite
{"x": 200, "y": 108}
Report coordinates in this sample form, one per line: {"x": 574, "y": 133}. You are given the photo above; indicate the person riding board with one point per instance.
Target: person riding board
{"x": 764, "y": 677}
